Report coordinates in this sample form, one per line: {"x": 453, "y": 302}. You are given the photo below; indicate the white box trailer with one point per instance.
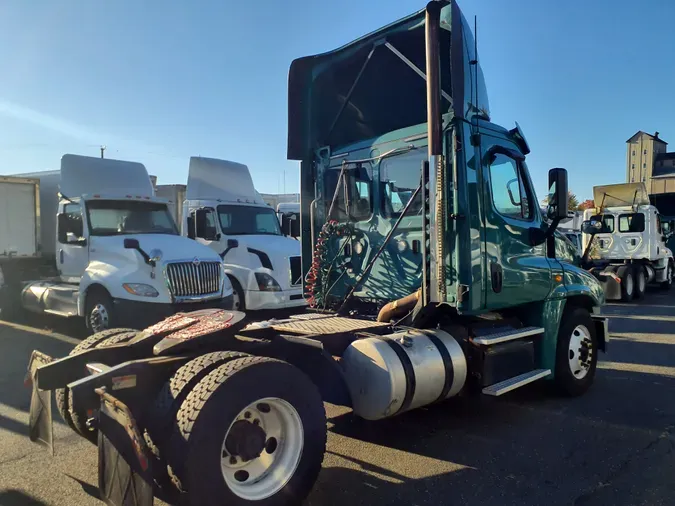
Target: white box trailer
{"x": 175, "y": 195}
{"x": 19, "y": 213}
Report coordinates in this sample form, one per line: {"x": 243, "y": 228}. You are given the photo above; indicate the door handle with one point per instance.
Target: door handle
{"x": 497, "y": 276}
{"x": 61, "y": 256}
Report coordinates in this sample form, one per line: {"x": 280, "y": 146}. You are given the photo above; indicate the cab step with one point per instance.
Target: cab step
{"x": 508, "y": 335}
{"x": 516, "y": 382}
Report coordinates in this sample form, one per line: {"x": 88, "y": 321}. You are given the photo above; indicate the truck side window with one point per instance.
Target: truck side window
{"x": 206, "y": 224}
{"x": 509, "y": 194}
{"x": 633, "y": 222}
{"x": 358, "y": 183}
{"x": 399, "y": 178}
{"x": 70, "y": 221}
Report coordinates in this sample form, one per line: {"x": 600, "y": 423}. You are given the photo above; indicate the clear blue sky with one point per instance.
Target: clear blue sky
{"x": 158, "y": 81}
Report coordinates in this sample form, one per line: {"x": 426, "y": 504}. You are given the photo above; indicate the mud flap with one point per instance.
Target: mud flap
{"x": 40, "y": 426}
{"x": 124, "y": 469}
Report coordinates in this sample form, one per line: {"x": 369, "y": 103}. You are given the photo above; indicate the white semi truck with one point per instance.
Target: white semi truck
{"x": 224, "y": 211}
{"x": 92, "y": 240}
{"x": 624, "y": 241}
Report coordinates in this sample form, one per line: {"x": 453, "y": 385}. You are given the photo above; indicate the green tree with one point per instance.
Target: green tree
{"x": 573, "y": 201}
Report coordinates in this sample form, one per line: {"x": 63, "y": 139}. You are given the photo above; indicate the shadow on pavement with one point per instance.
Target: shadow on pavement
{"x": 18, "y": 498}
{"x": 16, "y": 345}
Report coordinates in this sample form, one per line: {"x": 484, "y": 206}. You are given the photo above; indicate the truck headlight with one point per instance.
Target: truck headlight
{"x": 266, "y": 283}
{"x": 140, "y": 289}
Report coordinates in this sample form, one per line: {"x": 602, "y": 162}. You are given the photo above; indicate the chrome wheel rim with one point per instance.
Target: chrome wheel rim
{"x": 262, "y": 449}
{"x": 629, "y": 284}
{"x": 641, "y": 282}
{"x": 99, "y": 318}
{"x": 580, "y": 352}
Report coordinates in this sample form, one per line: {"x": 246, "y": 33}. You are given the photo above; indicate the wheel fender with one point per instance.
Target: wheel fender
{"x": 321, "y": 368}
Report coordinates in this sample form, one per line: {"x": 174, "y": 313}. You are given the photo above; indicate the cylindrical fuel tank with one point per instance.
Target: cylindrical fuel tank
{"x": 388, "y": 375}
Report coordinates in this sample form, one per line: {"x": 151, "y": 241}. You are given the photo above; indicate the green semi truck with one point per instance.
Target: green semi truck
{"x": 432, "y": 271}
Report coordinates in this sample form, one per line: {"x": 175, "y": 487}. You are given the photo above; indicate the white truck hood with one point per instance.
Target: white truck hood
{"x": 173, "y": 247}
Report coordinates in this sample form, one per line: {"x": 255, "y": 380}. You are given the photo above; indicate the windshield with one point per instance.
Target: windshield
{"x": 120, "y": 217}
{"x": 248, "y": 220}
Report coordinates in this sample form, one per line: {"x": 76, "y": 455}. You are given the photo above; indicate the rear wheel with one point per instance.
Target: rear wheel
{"x": 625, "y": 273}
{"x": 640, "y": 282}
{"x": 669, "y": 277}
{"x": 253, "y": 431}
{"x": 61, "y": 394}
{"x": 576, "y": 353}
{"x": 174, "y": 391}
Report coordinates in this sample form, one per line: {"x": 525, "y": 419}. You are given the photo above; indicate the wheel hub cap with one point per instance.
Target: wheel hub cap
{"x": 262, "y": 449}
{"x": 580, "y": 353}
{"x": 99, "y": 318}
{"x": 245, "y": 440}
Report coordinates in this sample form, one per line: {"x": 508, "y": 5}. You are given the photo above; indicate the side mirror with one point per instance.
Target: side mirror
{"x": 232, "y": 243}
{"x": 131, "y": 244}
{"x": 591, "y": 227}
{"x": 558, "y": 198}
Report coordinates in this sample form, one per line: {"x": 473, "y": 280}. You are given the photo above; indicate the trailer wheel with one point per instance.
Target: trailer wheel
{"x": 174, "y": 391}
{"x": 253, "y": 431}
{"x": 61, "y": 394}
{"x": 669, "y": 277}
{"x": 79, "y": 416}
{"x": 98, "y": 310}
{"x": 625, "y": 273}
{"x": 576, "y": 353}
{"x": 640, "y": 282}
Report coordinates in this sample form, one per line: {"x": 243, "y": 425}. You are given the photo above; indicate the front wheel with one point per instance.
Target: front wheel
{"x": 669, "y": 277}
{"x": 576, "y": 353}
{"x": 625, "y": 273}
{"x": 253, "y": 431}
{"x": 99, "y": 311}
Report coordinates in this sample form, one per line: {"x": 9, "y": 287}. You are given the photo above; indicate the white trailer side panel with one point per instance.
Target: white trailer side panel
{"x": 18, "y": 220}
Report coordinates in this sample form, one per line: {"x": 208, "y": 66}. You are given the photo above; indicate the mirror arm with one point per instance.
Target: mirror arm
{"x": 146, "y": 257}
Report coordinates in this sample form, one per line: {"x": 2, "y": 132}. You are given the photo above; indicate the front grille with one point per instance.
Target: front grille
{"x": 296, "y": 271}
{"x": 188, "y": 279}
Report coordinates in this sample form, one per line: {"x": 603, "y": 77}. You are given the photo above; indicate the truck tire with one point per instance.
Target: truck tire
{"x": 576, "y": 352}
{"x": 98, "y": 310}
{"x": 669, "y": 277}
{"x": 625, "y": 273}
{"x": 238, "y": 295}
{"x": 61, "y": 394}
{"x": 173, "y": 393}
{"x": 640, "y": 278}
{"x": 239, "y": 411}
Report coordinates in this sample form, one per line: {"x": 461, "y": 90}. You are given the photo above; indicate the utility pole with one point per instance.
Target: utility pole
{"x": 102, "y": 150}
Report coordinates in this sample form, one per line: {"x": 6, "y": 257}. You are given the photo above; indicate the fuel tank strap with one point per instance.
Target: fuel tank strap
{"x": 410, "y": 381}
{"x": 447, "y": 365}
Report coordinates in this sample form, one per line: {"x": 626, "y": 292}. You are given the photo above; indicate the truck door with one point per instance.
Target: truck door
{"x": 204, "y": 227}
{"x": 518, "y": 272}
{"x": 73, "y": 253}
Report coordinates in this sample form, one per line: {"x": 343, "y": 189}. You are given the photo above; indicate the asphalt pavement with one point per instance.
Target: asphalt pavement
{"x": 612, "y": 446}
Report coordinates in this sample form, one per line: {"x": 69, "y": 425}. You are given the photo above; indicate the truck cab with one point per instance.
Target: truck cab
{"x": 417, "y": 206}
{"x": 117, "y": 251}
{"x": 223, "y": 211}
{"x": 627, "y": 246}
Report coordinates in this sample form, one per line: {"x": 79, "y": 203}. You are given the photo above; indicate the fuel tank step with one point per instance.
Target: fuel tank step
{"x": 508, "y": 335}
{"x": 516, "y": 382}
